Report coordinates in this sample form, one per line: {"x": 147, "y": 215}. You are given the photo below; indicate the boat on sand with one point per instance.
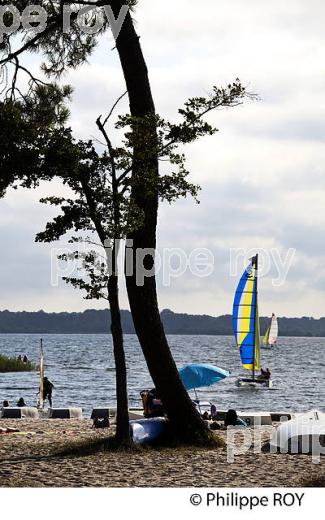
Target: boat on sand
{"x": 304, "y": 433}
{"x": 147, "y": 431}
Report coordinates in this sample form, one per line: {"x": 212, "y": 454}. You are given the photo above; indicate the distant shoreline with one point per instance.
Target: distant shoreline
{"x": 177, "y": 324}
{"x": 134, "y": 334}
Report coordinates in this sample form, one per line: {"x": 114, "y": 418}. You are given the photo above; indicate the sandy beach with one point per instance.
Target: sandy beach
{"x": 34, "y": 460}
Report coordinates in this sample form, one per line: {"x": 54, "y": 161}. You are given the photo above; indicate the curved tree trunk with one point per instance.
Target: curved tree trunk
{"x": 122, "y": 435}
{"x": 143, "y": 299}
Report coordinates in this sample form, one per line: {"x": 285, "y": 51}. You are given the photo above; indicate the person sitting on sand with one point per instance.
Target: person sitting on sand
{"x": 152, "y": 404}
{"x": 213, "y": 412}
{"x": 232, "y": 419}
{"x": 21, "y": 403}
{"x": 8, "y": 430}
{"x": 214, "y": 415}
{"x": 5, "y": 404}
{"x": 47, "y": 390}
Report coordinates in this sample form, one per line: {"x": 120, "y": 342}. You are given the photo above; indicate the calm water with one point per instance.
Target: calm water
{"x": 82, "y": 370}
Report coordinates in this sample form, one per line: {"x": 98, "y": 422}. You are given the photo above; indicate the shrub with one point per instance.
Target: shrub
{"x": 9, "y": 364}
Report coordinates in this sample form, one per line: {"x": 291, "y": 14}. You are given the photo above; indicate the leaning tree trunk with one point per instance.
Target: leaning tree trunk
{"x": 122, "y": 410}
{"x": 122, "y": 435}
{"x": 143, "y": 299}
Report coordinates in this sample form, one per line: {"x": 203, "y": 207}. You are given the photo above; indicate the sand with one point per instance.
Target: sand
{"x": 33, "y": 460}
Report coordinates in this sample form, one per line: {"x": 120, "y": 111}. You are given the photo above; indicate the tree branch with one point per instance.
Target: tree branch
{"x": 113, "y": 107}
{"x": 109, "y": 146}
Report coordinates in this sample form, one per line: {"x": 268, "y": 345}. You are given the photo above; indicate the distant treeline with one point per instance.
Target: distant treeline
{"x": 98, "y": 322}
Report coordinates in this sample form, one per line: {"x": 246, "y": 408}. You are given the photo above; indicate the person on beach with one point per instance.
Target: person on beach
{"x": 8, "y": 430}
{"x": 232, "y": 419}
{"x": 152, "y": 404}
{"x": 25, "y": 359}
{"x": 21, "y": 403}
{"x": 47, "y": 390}
{"x": 19, "y": 358}
{"x": 213, "y": 412}
{"x": 5, "y": 404}
{"x": 213, "y": 416}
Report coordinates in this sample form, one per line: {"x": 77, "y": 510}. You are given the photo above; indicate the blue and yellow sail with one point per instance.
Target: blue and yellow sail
{"x": 245, "y": 318}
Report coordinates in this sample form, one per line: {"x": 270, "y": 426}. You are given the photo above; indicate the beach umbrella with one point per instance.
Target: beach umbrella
{"x": 197, "y": 375}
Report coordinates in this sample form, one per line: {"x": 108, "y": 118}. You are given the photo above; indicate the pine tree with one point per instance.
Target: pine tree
{"x": 65, "y": 51}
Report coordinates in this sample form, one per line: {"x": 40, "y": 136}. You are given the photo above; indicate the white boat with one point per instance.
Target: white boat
{"x": 254, "y": 383}
{"x": 271, "y": 336}
{"x": 305, "y": 433}
{"x": 246, "y": 325}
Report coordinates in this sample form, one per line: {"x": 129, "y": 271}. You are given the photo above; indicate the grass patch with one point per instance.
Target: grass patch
{"x": 211, "y": 440}
{"x": 316, "y": 481}
{"x": 171, "y": 444}
{"x": 9, "y": 364}
{"x": 178, "y": 438}
{"x": 91, "y": 447}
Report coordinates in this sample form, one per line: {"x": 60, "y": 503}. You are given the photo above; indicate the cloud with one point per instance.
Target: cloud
{"x": 262, "y": 175}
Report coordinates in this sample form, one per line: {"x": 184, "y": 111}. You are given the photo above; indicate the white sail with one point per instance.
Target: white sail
{"x": 273, "y": 335}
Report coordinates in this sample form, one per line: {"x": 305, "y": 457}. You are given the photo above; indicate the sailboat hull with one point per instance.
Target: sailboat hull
{"x": 254, "y": 383}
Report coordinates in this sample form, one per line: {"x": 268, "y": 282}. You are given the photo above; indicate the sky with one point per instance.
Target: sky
{"x": 262, "y": 175}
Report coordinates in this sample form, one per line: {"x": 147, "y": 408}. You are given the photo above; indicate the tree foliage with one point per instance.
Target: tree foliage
{"x": 37, "y": 146}
{"x": 61, "y": 50}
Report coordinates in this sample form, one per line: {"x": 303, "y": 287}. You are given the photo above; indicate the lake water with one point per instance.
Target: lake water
{"x": 82, "y": 370}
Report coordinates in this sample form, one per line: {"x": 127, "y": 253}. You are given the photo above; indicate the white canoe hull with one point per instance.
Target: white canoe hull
{"x": 147, "y": 431}
{"x": 303, "y": 434}
{"x": 254, "y": 383}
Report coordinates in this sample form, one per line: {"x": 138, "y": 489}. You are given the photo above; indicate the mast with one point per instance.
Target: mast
{"x": 255, "y": 261}
{"x": 41, "y": 374}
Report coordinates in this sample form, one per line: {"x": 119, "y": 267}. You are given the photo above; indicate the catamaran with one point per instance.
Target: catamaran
{"x": 246, "y": 327}
{"x": 271, "y": 336}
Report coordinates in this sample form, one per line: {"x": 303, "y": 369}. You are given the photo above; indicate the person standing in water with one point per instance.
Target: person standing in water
{"x": 47, "y": 390}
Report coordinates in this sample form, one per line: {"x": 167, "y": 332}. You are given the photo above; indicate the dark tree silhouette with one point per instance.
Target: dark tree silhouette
{"x": 69, "y": 51}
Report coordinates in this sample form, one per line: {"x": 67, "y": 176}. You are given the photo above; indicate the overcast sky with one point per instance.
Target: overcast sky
{"x": 262, "y": 175}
